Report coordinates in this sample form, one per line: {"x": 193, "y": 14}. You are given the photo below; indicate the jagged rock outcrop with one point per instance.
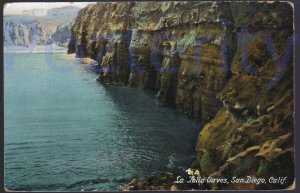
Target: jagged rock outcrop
{"x": 227, "y": 64}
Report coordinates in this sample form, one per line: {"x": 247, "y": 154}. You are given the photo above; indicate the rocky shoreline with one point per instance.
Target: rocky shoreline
{"x": 228, "y": 65}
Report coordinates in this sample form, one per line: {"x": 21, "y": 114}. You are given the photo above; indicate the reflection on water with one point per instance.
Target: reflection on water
{"x": 64, "y": 131}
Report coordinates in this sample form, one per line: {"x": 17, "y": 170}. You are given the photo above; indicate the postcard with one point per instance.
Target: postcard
{"x": 142, "y": 95}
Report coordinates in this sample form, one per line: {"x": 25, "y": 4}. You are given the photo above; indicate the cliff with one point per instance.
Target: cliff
{"x": 228, "y": 65}
{"x": 32, "y": 30}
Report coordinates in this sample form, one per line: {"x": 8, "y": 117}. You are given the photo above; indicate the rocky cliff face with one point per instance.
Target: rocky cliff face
{"x": 158, "y": 46}
{"x": 21, "y": 34}
{"x": 26, "y": 31}
{"x": 228, "y": 65}
{"x": 253, "y": 132}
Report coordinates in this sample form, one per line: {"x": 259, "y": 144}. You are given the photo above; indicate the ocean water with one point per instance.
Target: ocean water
{"x": 64, "y": 131}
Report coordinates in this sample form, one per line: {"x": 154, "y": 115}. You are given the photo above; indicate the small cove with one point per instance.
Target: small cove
{"x": 65, "y": 131}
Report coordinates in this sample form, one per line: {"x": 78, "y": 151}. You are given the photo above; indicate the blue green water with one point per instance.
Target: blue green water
{"x": 65, "y": 131}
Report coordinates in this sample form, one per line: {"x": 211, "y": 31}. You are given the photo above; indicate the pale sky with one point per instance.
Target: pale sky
{"x": 17, "y": 8}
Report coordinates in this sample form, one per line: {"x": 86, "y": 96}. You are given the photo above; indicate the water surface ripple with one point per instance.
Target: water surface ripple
{"x": 64, "y": 131}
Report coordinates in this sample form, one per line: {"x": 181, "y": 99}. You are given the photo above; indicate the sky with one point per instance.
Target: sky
{"x": 17, "y": 8}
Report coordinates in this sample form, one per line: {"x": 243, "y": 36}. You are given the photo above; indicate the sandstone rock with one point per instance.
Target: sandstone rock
{"x": 220, "y": 62}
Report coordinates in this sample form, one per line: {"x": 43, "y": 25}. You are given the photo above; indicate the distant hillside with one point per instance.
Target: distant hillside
{"x": 37, "y": 27}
